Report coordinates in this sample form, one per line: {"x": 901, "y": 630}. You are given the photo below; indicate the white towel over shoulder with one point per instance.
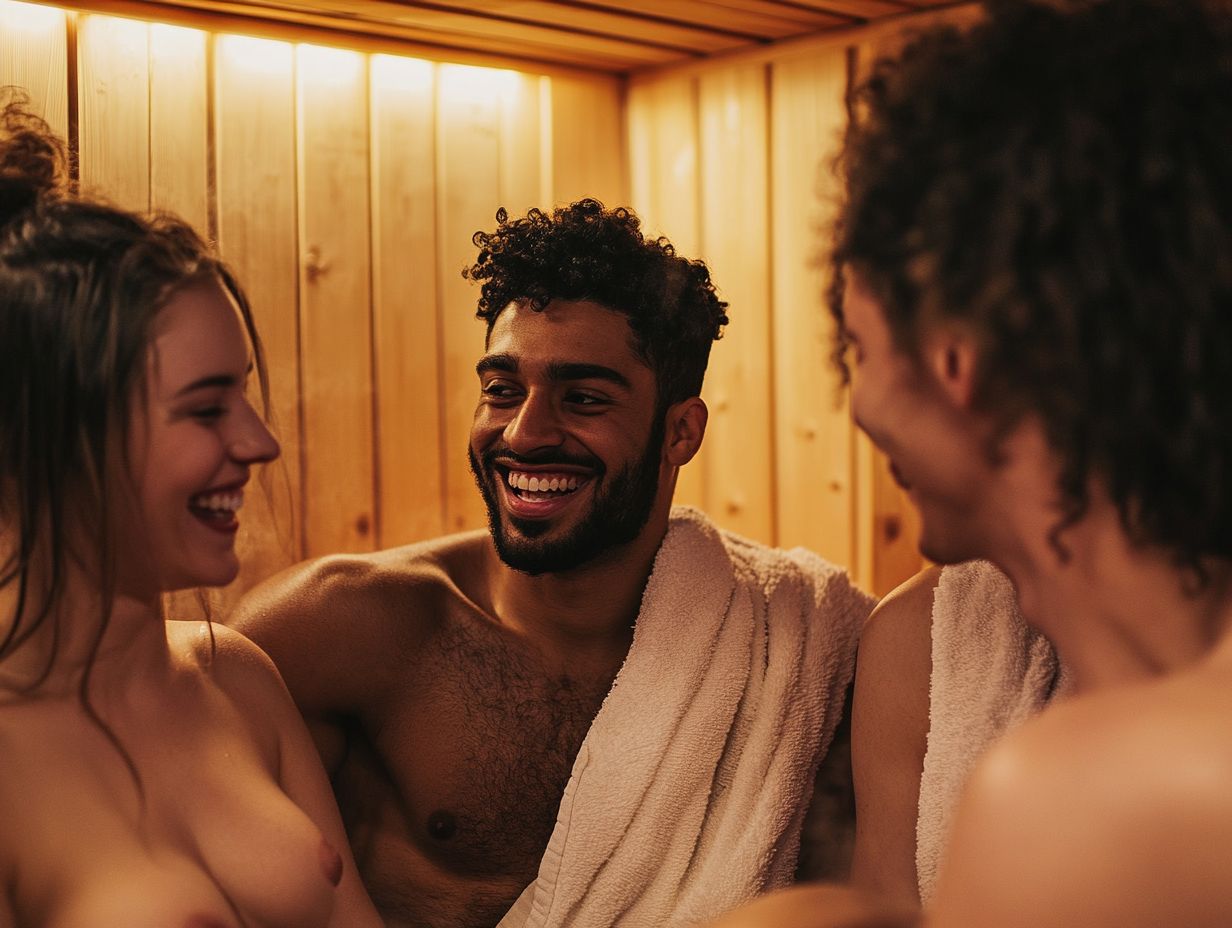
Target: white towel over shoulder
{"x": 688, "y": 795}
{"x": 991, "y": 672}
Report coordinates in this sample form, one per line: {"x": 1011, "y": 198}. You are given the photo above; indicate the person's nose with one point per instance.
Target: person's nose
{"x": 535, "y": 425}
{"x": 252, "y": 441}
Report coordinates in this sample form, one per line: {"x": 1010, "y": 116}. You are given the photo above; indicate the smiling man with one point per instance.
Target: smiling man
{"x": 598, "y": 677}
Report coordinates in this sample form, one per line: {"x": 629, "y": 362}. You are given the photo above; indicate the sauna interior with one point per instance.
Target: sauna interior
{"x": 341, "y": 155}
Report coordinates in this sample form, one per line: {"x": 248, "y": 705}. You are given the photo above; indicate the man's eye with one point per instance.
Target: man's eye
{"x": 498, "y": 389}
{"x": 207, "y": 413}
{"x": 585, "y": 399}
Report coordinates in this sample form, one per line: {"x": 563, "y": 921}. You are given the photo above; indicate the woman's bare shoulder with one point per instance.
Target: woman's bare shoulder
{"x": 1117, "y": 802}
{"x": 235, "y": 663}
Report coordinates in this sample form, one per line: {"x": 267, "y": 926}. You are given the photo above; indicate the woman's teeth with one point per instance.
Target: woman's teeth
{"x": 561, "y": 483}
{"x": 218, "y": 503}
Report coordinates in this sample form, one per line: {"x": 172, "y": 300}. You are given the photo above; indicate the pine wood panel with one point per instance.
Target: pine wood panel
{"x": 525, "y": 174}
{"x": 739, "y": 446}
{"x": 764, "y": 19}
{"x": 335, "y": 301}
{"x": 406, "y": 327}
{"x": 587, "y": 141}
{"x": 114, "y": 109}
{"x": 254, "y": 144}
{"x": 34, "y": 56}
{"x": 179, "y": 179}
{"x": 468, "y": 194}
{"x": 663, "y": 137}
{"x": 814, "y": 432}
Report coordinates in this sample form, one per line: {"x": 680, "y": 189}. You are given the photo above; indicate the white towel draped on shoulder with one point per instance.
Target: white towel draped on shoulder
{"x": 688, "y": 795}
{"x": 990, "y": 673}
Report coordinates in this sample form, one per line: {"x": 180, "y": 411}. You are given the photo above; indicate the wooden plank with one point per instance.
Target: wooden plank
{"x": 447, "y": 29}
{"x": 617, "y": 22}
{"x": 814, "y": 431}
{"x": 522, "y": 154}
{"x": 765, "y": 19}
{"x": 179, "y": 146}
{"x": 406, "y": 325}
{"x": 663, "y": 132}
{"x": 814, "y": 44}
{"x": 860, "y": 9}
{"x": 335, "y": 301}
{"x": 114, "y": 109}
{"x": 587, "y": 141}
{"x": 254, "y": 146}
{"x": 330, "y": 30}
{"x": 34, "y": 56}
{"x": 735, "y": 243}
{"x": 468, "y": 194}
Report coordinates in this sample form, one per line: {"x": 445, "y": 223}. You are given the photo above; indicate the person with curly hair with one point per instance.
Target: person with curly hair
{"x": 155, "y": 772}
{"x": 1037, "y": 251}
{"x": 578, "y": 710}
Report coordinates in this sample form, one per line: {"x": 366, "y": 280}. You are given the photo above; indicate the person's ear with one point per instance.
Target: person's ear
{"x": 686, "y": 427}
{"x": 952, "y": 357}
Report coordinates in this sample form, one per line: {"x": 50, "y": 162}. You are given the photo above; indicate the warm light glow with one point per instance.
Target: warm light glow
{"x": 397, "y": 73}
{"x": 263, "y": 56}
{"x": 174, "y": 41}
{"x": 462, "y": 83}
{"x": 322, "y": 65}
{"x": 30, "y": 17}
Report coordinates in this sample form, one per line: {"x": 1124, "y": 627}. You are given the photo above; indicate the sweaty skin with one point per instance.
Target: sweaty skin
{"x": 449, "y": 693}
{"x": 449, "y": 736}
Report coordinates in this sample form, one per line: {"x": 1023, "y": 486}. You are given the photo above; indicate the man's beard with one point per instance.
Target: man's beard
{"x": 617, "y": 515}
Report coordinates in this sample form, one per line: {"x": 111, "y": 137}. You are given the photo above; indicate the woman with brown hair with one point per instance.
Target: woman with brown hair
{"x": 155, "y": 772}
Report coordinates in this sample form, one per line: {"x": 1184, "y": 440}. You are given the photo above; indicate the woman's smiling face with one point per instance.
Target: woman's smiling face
{"x": 193, "y": 438}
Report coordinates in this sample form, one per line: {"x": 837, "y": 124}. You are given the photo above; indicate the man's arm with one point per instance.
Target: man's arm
{"x": 889, "y": 737}
{"x": 316, "y": 621}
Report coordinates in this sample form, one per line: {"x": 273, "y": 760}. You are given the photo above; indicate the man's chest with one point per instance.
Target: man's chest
{"x": 470, "y": 757}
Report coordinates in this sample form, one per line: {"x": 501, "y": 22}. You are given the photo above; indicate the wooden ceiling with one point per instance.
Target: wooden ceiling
{"x": 613, "y": 36}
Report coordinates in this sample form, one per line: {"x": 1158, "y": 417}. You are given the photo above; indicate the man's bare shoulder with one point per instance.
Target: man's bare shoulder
{"x": 1116, "y": 802}
{"x": 360, "y": 587}
{"x": 341, "y": 627}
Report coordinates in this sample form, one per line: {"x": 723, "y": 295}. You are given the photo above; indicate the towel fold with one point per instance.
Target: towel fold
{"x": 689, "y": 792}
{"x": 990, "y": 673}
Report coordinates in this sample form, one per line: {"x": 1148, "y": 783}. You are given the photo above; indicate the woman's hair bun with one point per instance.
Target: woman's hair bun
{"x": 33, "y": 160}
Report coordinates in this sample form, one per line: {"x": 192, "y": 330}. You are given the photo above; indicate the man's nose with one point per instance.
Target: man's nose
{"x": 537, "y": 424}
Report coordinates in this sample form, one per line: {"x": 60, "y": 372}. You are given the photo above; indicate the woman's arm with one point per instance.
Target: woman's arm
{"x": 889, "y": 736}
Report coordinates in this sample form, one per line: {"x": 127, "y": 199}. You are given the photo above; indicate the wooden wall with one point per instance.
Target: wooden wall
{"x": 344, "y": 188}
{"x": 732, "y": 160}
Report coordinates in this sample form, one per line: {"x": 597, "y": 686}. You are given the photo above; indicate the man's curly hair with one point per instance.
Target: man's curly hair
{"x": 1059, "y": 178}
{"x": 586, "y": 252}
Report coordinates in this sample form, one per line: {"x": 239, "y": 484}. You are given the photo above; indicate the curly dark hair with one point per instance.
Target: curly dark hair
{"x": 586, "y": 252}
{"x": 1059, "y": 179}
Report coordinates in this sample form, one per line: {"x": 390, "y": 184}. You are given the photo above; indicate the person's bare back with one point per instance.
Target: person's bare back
{"x": 449, "y": 736}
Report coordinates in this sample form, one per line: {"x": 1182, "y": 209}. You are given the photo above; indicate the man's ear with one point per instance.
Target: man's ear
{"x": 686, "y": 426}
{"x": 953, "y": 356}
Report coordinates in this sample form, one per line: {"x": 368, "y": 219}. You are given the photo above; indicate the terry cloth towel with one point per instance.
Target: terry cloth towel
{"x": 990, "y": 673}
{"x": 689, "y": 792}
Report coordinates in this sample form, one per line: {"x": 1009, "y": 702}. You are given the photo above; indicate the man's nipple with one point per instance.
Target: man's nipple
{"x": 442, "y": 825}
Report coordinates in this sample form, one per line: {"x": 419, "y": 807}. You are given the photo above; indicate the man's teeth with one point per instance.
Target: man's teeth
{"x": 542, "y": 484}
{"x": 218, "y": 502}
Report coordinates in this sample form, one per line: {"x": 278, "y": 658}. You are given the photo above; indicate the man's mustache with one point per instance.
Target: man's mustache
{"x": 508, "y": 458}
